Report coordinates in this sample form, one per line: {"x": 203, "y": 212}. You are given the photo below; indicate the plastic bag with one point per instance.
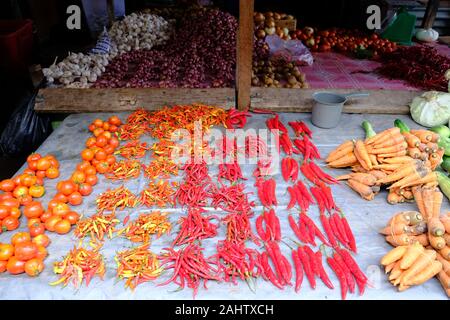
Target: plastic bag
{"x": 289, "y": 50}
{"x": 25, "y": 130}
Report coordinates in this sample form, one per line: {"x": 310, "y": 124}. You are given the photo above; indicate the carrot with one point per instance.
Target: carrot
{"x": 436, "y": 227}
{"x": 423, "y": 261}
{"x": 428, "y": 201}
{"x": 412, "y": 179}
{"x": 361, "y": 152}
{"x": 364, "y": 178}
{"x": 437, "y": 243}
{"x": 394, "y": 229}
{"x": 423, "y": 147}
{"x": 422, "y": 239}
{"x": 388, "y": 166}
{"x": 414, "y": 153}
{"x": 424, "y": 158}
{"x": 363, "y": 190}
{"x": 386, "y": 135}
{"x": 403, "y": 171}
{"x": 395, "y": 140}
{"x": 412, "y": 140}
{"x": 430, "y": 177}
{"x": 434, "y": 137}
{"x": 398, "y": 280}
{"x": 378, "y": 174}
{"x": 423, "y": 135}
{"x": 445, "y": 219}
{"x": 402, "y": 159}
{"x": 436, "y": 158}
{"x": 393, "y": 255}
{"x": 396, "y": 272}
{"x": 444, "y": 279}
{"x": 409, "y": 217}
{"x": 432, "y": 147}
{"x": 417, "y": 192}
{"x": 389, "y": 267}
{"x": 340, "y": 151}
{"x": 394, "y": 198}
{"x": 402, "y": 287}
{"x": 359, "y": 168}
{"x": 373, "y": 159}
{"x": 417, "y": 229}
{"x": 347, "y": 160}
{"x": 447, "y": 239}
{"x": 382, "y": 135}
{"x": 445, "y": 263}
{"x": 391, "y": 149}
{"x": 424, "y": 275}
{"x": 411, "y": 254}
{"x": 343, "y": 177}
{"x": 408, "y": 195}
{"x": 399, "y": 240}
{"x": 445, "y": 252}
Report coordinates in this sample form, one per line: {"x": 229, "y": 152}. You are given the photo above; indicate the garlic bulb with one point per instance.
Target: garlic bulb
{"x": 427, "y": 35}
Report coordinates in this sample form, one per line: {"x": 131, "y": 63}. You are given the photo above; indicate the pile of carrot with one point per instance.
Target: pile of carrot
{"x": 397, "y": 158}
{"x": 413, "y": 265}
{"x": 416, "y": 230}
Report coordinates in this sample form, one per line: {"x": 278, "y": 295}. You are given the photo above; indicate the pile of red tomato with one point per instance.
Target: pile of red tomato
{"x": 342, "y": 40}
{"x": 97, "y": 158}
{"x": 25, "y": 253}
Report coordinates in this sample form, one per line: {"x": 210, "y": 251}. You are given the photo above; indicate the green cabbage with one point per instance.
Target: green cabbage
{"x": 431, "y": 108}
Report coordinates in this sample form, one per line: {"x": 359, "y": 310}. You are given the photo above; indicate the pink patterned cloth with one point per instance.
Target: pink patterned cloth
{"x": 332, "y": 70}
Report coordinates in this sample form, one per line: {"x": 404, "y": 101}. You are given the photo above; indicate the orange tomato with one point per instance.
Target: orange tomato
{"x": 36, "y": 229}
{"x": 10, "y": 202}
{"x": 36, "y": 191}
{"x": 87, "y": 154}
{"x": 83, "y": 165}
{"x": 43, "y": 164}
{"x": 62, "y": 226}
{"x": 26, "y": 200}
{"x": 111, "y": 159}
{"x": 98, "y": 131}
{"x": 7, "y": 185}
{"x": 102, "y": 167}
{"x": 15, "y": 266}
{"x": 28, "y": 171}
{"x": 46, "y": 215}
{"x": 39, "y": 181}
{"x": 20, "y": 237}
{"x": 78, "y": 177}
{"x": 25, "y": 251}
{"x": 53, "y": 161}
{"x": 75, "y": 198}
{"x": 5, "y": 211}
{"x": 41, "y": 174}
{"x": 32, "y": 165}
{"x": 52, "y": 173}
{"x": 28, "y": 180}
{"x": 3, "y": 266}
{"x": 51, "y": 222}
{"x": 41, "y": 240}
{"x": 85, "y": 189}
{"x": 72, "y": 216}
{"x": 107, "y": 134}
{"x": 6, "y": 195}
{"x": 113, "y": 128}
{"x": 34, "y": 267}
{"x": 101, "y": 155}
{"x": 106, "y": 126}
{"x": 109, "y": 149}
{"x": 15, "y": 213}
{"x": 90, "y": 171}
{"x": 92, "y": 179}
{"x": 98, "y": 123}
{"x": 33, "y": 157}
{"x": 61, "y": 209}
{"x": 32, "y": 221}
{"x": 101, "y": 141}
{"x": 67, "y": 187}
{"x": 41, "y": 252}
{"x": 59, "y": 197}
{"x": 33, "y": 210}
{"x": 6, "y": 251}
{"x": 90, "y": 142}
{"x": 115, "y": 120}
{"x": 10, "y": 223}
{"x": 52, "y": 204}
{"x": 16, "y": 180}
{"x": 91, "y": 127}
{"x": 20, "y": 192}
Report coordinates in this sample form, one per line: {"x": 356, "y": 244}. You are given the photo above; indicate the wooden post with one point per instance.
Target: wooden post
{"x": 430, "y": 14}
{"x": 244, "y": 54}
{"x": 110, "y": 9}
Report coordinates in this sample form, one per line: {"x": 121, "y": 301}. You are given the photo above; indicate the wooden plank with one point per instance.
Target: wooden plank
{"x": 430, "y": 14}
{"x": 244, "y": 53}
{"x": 68, "y": 100}
{"x": 300, "y": 100}
{"x": 111, "y": 11}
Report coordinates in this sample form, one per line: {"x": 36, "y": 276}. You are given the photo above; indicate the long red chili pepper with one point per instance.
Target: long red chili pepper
{"x": 340, "y": 275}
{"x": 307, "y": 267}
{"x": 268, "y": 272}
{"x": 309, "y": 226}
{"x": 361, "y": 278}
{"x": 340, "y": 227}
{"x": 327, "y": 229}
{"x": 298, "y": 270}
{"x": 317, "y": 231}
{"x": 296, "y": 229}
{"x": 286, "y": 144}
{"x": 312, "y": 260}
{"x": 293, "y": 174}
{"x": 348, "y": 275}
{"x": 293, "y": 199}
{"x": 322, "y": 273}
{"x": 335, "y": 231}
{"x": 321, "y": 174}
{"x": 349, "y": 233}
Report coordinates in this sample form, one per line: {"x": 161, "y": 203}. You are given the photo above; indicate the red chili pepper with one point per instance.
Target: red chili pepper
{"x": 276, "y": 262}
{"x": 305, "y": 128}
{"x": 340, "y": 227}
{"x": 321, "y": 174}
{"x": 288, "y": 269}
{"x": 322, "y": 273}
{"x": 361, "y": 278}
{"x": 304, "y": 230}
{"x": 309, "y": 227}
{"x": 293, "y": 199}
{"x": 269, "y": 272}
{"x": 312, "y": 260}
{"x": 294, "y": 170}
{"x": 340, "y": 275}
{"x": 335, "y": 231}
{"x": 349, "y": 233}
{"x": 298, "y": 270}
{"x": 286, "y": 168}
{"x": 277, "y": 226}
{"x": 280, "y": 263}
{"x": 286, "y": 143}
{"x": 259, "y": 228}
{"x": 307, "y": 267}
{"x": 347, "y": 272}
{"x": 319, "y": 199}
{"x": 296, "y": 229}
{"x": 317, "y": 231}
{"x": 328, "y": 231}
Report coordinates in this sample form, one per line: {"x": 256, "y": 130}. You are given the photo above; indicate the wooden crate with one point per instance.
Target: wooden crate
{"x": 291, "y": 25}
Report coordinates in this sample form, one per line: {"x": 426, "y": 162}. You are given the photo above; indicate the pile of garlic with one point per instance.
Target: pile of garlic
{"x": 140, "y": 31}
{"x": 134, "y": 32}
{"x": 78, "y": 69}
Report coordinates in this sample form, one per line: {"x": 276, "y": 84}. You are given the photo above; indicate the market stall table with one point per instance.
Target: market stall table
{"x": 365, "y": 218}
